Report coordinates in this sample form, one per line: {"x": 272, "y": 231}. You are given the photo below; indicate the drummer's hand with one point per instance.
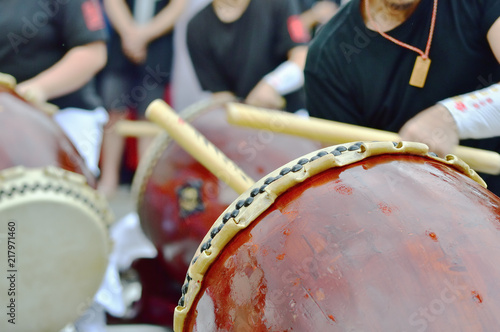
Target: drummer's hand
{"x": 31, "y": 93}
{"x": 435, "y": 127}
{"x": 324, "y": 11}
{"x": 264, "y": 95}
{"x": 35, "y": 95}
{"x": 135, "y": 44}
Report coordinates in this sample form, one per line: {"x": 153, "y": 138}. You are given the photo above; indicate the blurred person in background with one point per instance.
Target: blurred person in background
{"x": 411, "y": 66}
{"x": 315, "y": 13}
{"x": 138, "y": 71}
{"x": 254, "y": 50}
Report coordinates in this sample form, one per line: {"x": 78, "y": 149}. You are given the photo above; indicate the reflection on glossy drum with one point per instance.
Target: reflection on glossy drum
{"x": 355, "y": 237}
{"x": 53, "y": 225}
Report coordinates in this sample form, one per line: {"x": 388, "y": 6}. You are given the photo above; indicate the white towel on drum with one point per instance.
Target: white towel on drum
{"x": 129, "y": 244}
{"x": 92, "y": 320}
{"x": 129, "y": 241}
{"x": 85, "y": 129}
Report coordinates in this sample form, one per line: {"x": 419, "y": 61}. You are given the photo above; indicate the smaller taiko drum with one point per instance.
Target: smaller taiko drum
{"x": 355, "y": 237}
{"x": 53, "y": 224}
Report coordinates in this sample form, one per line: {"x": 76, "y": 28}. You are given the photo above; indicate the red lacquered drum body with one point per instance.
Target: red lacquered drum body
{"x": 380, "y": 238}
{"x": 179, "y": 199}
{"x": 31, "y": 138}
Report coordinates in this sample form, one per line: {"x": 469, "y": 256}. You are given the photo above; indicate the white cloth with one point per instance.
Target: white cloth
{"x": 93, "y": 320}
{"x": 286, "y": 78}
{"x": 85, "y": 129}
{"x": 129, "y": 244}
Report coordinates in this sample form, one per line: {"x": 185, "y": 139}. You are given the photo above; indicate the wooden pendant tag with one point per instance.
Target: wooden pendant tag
{"x": 419, "y": 73}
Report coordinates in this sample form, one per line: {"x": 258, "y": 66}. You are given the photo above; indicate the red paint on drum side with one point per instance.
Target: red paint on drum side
{"x": 387, "y": 210}
{"x": 432, "y": 235}
{"x": 477, "y": 297}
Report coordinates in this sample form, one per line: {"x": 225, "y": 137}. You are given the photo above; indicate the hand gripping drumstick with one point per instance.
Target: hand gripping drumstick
{"x": 10, "y": 83}
{"x": 336, "y": 132}
{"x": 198, "y": 146}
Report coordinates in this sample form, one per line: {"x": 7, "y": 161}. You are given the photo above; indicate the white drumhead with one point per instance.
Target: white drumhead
{"x": 56, "y": 227}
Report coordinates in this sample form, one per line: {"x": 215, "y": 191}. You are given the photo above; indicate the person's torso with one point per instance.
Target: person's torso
{"x": 245, "y": 50}
{"x": 378, "y": 71}
{"x": 36, "y": 36}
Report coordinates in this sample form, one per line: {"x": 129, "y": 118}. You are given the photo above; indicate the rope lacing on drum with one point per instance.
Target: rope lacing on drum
{"x": 26, "y": 188}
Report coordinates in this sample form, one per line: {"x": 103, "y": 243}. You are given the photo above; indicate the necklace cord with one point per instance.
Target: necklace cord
{"x": 400, "y": 43}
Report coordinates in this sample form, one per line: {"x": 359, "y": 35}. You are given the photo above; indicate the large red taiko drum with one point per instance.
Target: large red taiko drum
{"x": 355, "y": 237}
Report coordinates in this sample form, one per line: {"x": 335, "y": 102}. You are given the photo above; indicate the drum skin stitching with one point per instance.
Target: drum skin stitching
{"x": 370, "y": 149}
{"x": 25, "y": 188}
{"x": 59, "y": 189}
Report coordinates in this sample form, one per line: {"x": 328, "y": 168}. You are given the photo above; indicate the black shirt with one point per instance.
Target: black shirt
{"x": 236, "y": 56}
{"x": 36, "y": 34}
{"x": 308, "y": 4}
{"x": 160, "y": 51}
{"x": 355, "y": 75}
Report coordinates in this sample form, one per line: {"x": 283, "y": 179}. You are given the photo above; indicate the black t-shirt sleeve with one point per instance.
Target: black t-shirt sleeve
{"x": 209, "y": 76}
{"x": 491, "y": 12}
{"x": 81, "y": 22}
{"x": 290, "y": 31}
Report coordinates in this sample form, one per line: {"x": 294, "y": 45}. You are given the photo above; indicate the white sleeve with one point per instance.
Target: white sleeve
{"x": 477, "y": 114}
{"x": 286, "y": 78}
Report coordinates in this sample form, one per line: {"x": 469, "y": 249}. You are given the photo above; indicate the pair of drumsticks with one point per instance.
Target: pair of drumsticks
{"x": 313, "y": 128}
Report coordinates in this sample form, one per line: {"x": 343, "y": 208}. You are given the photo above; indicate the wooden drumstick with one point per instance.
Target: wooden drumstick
{"x": 333, "y": 132}
{"x": 137, "y": 128}
{"x": 198, "y": 146}
{"x": 8, "y": 81}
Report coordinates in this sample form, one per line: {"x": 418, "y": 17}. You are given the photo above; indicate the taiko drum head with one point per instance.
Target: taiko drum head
{"x": 355, "y": 237}
{"x": 178, "y": 199}
{"x": 54, "y": 237}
